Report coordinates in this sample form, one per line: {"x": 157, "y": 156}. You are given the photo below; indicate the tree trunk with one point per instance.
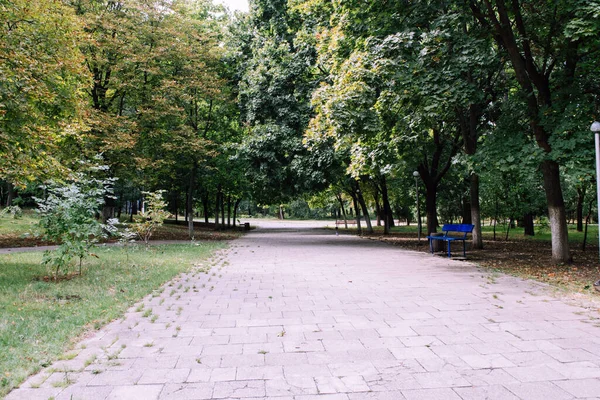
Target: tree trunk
{"x": 355, "y": 203}
{"x": 190, "y": 202}
{"x": 217, "y": 202}
{"x": 528, "y": 225}
{"x": 222, "y": 197}
{"x": 430, "y": 208}
{"x": 176, "y": 207}
{"x": 108, "y": 209}
{"x": 475, "y": 213}
{"x": 510, "y": 222}
{"x": 466, "y": 210}
{"x": 363, "y": 206}
{"x": 11, "y": 194}
{"x": 556, "y": 212}
{"x": 205, "y": 207}
{"x": 387, "y": 209}
{"x": 235, "y": 208}
{"x": 378, "y": 211}
{"x": 580, "y": 199}
{"x": 339, "y": 197}
{"x": 134, "y": 210}
{"x": 229, "y": 211}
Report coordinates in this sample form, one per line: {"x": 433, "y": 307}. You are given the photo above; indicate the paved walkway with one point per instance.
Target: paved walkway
{"x": 306, "y": 315}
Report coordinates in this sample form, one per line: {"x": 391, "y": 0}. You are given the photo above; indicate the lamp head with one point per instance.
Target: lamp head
{"x": 416, "y": 173}
{"x": 595, "y": 127}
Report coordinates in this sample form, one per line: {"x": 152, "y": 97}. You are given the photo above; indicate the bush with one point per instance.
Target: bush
{"x": 15, "y": 211}
{"x": 152, "y": 217}
{"x": 68, "y": 216}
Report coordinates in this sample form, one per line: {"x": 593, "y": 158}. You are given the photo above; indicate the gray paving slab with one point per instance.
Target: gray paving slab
{"x": 290, "y": 312}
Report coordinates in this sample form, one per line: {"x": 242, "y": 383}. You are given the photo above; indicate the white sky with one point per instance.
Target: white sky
{"x": 233, "y": 5}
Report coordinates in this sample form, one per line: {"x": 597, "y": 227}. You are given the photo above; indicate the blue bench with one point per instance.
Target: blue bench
{"x": 448, "y": 228}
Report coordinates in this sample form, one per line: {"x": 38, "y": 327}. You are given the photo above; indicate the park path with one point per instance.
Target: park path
{"x": 304, "y": 314}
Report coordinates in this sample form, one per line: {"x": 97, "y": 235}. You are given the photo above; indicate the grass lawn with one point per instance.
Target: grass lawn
{"x": 40, "y": 320}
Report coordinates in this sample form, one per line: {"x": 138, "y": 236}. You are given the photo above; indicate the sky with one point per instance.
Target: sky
{"x": 233, "y": 5}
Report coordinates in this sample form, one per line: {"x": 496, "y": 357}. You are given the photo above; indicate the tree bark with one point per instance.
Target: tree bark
{"x": 378, "y": 211}
{"x": 11, "y": 194}
{"x": 387, "y": 208}
{"x": 134, "y": 210}
{"x": 205, "y": 207}
{"x": 430, "y": 207}
{"x": 229, "y": 211}
{"x": 235, "y": 208}
{"x": 363, "y": 206}
{"x": 355, "y": 203}
{"x": 339, "y": 197}
{"x": 190, "y": 201}
{"x": 556, "y": 212}
{"x": 475, "y": 213}
{"x": 222, "y": 197}
{"x": 217, "y": 202}
{"x": 466, "y": 210}
{"x": 108, "y": 209}
{"x": 580, "y": 199}
{"x": 528, "y": 225}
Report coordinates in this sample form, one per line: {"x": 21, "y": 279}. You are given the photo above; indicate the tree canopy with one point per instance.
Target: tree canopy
{"x": 487, "y": 100}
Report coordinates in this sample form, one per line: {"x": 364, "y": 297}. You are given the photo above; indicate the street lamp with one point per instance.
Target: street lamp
{"x": 595, "y": 128}
{"x": 416, "y": 175}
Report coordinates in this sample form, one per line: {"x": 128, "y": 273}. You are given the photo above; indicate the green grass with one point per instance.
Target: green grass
{"x": 41, "y": 320}
{"x": 18, "y": 226}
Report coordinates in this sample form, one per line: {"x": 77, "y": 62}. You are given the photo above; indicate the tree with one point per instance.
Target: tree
{"x": 548, "y": 45}
{"x": 42, "y": 79}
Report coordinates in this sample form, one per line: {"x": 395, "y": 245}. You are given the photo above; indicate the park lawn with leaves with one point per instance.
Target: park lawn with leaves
{"x": 42, "y": 319}
{"x": 525, "y": 257}
{"x": 23, "y": 232}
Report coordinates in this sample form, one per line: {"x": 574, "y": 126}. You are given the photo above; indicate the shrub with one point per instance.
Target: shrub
{"x": 152, "y": 217}
{"x": 15, "y": 211}
{"x": 68, "y": 216}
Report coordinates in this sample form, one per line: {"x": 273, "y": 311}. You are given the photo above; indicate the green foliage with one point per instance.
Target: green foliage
{"x": 152, "y": 216}
{"x": 42, "y": 80}
{"x": 68, "y": 216}
{"x": 14, "y": 211}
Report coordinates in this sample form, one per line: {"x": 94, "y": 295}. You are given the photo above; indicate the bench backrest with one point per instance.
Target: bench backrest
{"x": 465, "y": 228}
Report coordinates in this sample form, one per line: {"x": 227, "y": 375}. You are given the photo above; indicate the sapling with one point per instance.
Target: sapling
{"x": 152, "y": 217}
{"x": 68, "y": 216}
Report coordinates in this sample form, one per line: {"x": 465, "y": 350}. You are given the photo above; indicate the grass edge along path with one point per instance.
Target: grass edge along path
{"x": 40, "y": 321}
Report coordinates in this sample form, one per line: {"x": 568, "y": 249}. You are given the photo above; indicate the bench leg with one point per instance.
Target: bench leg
{"x": 431, "y": 245}
{"x": 449, "y": 254}
{"x": 464, "y": 249}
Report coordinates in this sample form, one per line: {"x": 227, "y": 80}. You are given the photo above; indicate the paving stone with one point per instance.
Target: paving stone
{"x": 85, "y": 393}
{"x": 304, "y": 314}
{"x": 137, "y": 392}
{"x": 187, "y": 391}
{"x": 161, "y": 376}
{"x": 485, "y": 392}
{"x": 430, "y": 394}
{"x": 538, "y": 391}
{"x": 536, "y": 373}
{"x": 581, "y": 388}
{"x": 239, "y": 389}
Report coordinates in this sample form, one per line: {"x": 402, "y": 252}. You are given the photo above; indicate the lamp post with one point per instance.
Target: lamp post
{"x": 595, "y": 128}
{"x": 416, "y": 175}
